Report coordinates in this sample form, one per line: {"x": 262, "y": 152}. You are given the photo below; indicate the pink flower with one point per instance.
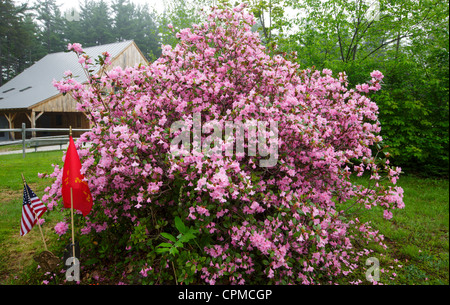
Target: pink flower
{"x": 327, "y": 72}
{"x": 200, "y": 183}
{"x": 202, "y": 210}
{"x": 387, "y": 214}
{"x": 107, "y": 59}
{"x": 145, "y": 270}
{"x": 254, "y": 205}
{"x": 377, "y": 75}
{"x": 75, "y": 47}
{"x": 61, "y": 228}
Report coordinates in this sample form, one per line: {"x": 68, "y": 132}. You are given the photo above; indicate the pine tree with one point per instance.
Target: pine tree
{"x": 96, "y": 23}
{"x": 51, "y": 32}
{"x": 18, "y": 44}
{"x": 137, "y": 23}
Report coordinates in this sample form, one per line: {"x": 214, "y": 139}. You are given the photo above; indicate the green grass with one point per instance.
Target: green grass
{"x": 417, "y": 236}
{"x": 5, "y": 148}
{"x": 16, "y": 251}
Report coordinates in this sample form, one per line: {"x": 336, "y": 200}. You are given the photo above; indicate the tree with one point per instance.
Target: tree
{"x": 28, "y": 48}
{"x": 271, "y": 18}
{"x": 51, "y": 34}
{"x": 180, "y": 14}
{"x": 124, "y": 19}
{"x": 147, "y": 38}
{"x": 353, "y": 33}
{"x": 73, "y": 30}
{"x": 415, "y": 102}
{"x": 18, "y": 44}
{"x": 408, "y": 41}
{"x": 138, "y": 23}
{"x": 96, "y": 23}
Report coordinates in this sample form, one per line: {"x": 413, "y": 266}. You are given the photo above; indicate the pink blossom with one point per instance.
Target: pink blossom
{"x": 202, "y": 210}
{"x": 75, "y": 47}
{"x": 61, "y": 228}
{"x": 377, "y": 75}
{"x": 387, "y": 214}
{"x": 144, "y": 271}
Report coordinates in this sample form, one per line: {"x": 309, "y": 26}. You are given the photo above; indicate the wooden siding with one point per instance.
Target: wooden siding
{"x": 58, "y": 103}
{"x": 129, "y": 57}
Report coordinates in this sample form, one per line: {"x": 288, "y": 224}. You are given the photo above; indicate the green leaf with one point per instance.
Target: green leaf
{"x": 168, "y": 236}
{"x": 165, "y": 245}
{"x": 173, "y": 251}
{"x": 180, "y": 225}
{"x": 178, "y": 244}
{"x": 187, "y": 237}
{"x": 162, "y": 250}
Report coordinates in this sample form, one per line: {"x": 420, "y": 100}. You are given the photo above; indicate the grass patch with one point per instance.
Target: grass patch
{"x": 417, "y": 236}
{"x": 17, "y": 251}
{"x": 5, "y": 148}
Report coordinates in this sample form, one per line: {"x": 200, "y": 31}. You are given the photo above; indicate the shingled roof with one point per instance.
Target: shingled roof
{"x": 34, "y": 84}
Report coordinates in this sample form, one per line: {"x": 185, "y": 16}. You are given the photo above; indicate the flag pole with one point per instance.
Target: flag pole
{"x": 71, "y": 212}
{"x": 73, "y": 227}
{"x": 37, "y": 220}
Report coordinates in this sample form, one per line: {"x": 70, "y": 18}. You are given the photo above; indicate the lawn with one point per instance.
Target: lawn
{"x": 417, "y": 236}
{"x": 10, "y": 147}
{"x": 16, "y": 251}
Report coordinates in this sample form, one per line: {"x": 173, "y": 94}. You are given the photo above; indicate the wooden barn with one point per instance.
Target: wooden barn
{"x": 31, "y": 98}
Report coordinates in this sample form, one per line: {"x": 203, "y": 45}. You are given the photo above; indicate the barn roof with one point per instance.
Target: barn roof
{"x": 34, "y": 84}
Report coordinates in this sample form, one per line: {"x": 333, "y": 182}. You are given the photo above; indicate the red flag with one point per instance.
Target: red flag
{"x": 72, "y": 178}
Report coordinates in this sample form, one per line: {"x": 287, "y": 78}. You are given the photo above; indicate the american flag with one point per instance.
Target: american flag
{"x": 32, "y": 209}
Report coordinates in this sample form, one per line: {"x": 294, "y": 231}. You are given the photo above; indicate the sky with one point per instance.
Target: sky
{"x": 68, "y": 4}
{"x": 158, "y": 5}
{"x": 65, "y": 5}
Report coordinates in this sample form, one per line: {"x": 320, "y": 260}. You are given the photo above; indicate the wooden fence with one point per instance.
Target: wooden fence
{"x": 40, "y": 141}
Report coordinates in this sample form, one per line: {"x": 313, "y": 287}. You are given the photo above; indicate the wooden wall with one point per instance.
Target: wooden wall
{"x": 129, "y": 57}
{"x": 58, "y": 103}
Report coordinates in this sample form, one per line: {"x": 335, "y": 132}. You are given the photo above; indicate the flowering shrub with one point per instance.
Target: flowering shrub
{"x": 165, "y": 218}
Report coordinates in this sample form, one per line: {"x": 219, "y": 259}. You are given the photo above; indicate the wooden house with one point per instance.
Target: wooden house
{"x": 31, "y": 98}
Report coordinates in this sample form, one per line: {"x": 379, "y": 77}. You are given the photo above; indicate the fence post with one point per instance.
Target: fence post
{"x": 24, "y": 135}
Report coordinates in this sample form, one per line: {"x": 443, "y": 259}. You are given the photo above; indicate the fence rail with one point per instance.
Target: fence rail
{"x": 24, "y": 131}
